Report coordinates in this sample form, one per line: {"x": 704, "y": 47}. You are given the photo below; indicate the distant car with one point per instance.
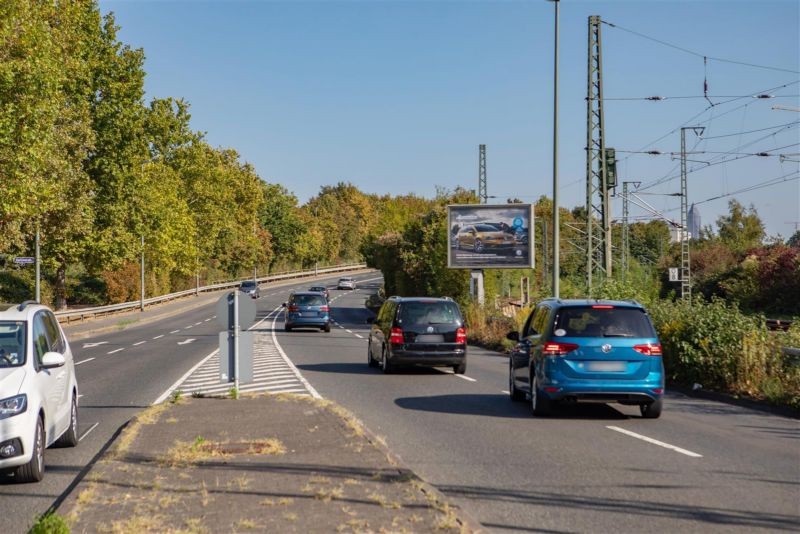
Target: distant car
{"x": 587, "y": 350}
{"x": 250, "y": 287}
{"x": 307, "y": 310}
{"x": 484, "y": 237}
{"x": 346, "y": 283}
{"x": 418, "y": 331}
{"x": 38, "y": 390}
{"x": 320, "y": 289}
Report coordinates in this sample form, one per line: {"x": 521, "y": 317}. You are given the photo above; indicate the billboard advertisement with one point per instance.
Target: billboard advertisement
{"x": 485, "y": 236}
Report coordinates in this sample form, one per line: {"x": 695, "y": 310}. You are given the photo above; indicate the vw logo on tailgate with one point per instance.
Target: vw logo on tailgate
{"x": 606, "y": 348}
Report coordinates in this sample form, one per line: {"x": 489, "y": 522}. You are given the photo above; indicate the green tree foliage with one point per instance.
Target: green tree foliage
{"x": 280, "y": 217}
{"x": 741, "y": 229}
{"x": 351, "y": 213}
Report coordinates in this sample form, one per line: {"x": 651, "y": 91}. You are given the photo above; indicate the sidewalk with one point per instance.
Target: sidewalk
{"x": 273, "y": 463}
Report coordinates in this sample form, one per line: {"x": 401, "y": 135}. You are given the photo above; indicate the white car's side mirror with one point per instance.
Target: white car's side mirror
{"x": 53, "y": 359}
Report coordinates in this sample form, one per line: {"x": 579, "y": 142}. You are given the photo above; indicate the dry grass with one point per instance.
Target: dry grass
{"x": 147, "y": 417}
{"x": 200, "y": 450}
{"x": 247, "y": 524}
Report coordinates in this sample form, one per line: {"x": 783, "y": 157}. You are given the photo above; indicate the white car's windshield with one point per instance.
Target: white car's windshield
{"x": 12, "y": 343}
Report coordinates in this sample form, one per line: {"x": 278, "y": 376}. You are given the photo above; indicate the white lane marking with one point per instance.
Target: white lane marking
{"x": 505, "y": 392}
{"x": 174, "y": 331}
{"x": 84, "y": 361}
{"x": 198, "y": 322}
{"x": 348, "y": 330}
{"x": 300, "y": 377}
{"x": 87, "y": 432}
{"x": 465, "y": 377}
{"x": 186, "y": 342}
{"x": 139, "y": 343}
{"x": 206, "y": 320}
{"x": 188, "y": 327}
{"x": 90, "y": 345}
{"x": 359, "y": 336}
{"x": 79, "y": 396}
{"x": 213, "y": 316}
{"x": 177, "y": 383}
{"x": 159, "y": 337}
{"x": 113, "y": 351}
{"x": 654, "y": 441}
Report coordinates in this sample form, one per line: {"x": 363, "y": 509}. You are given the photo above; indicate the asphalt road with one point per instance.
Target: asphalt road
{"x": 120, "y": 373}
{"x": 713, "y": 466}
{"x": 588, "y": 469}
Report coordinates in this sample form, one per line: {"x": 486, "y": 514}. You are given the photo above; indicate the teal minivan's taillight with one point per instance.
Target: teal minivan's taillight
{"x": 554, "y": 348}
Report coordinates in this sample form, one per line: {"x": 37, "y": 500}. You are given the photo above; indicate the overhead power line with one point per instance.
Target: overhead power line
{"x": 788, "y": 124}
{"x": 698, "y": 54}
{"x": 658, "y": 98}
{"x": 795, "y": 175}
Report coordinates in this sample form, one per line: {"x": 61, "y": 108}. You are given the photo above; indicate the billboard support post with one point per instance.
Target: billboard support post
{"x": 476, "y": 286}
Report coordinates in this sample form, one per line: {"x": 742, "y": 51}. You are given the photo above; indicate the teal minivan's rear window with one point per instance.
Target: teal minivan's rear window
{"x": 603, "y": 321}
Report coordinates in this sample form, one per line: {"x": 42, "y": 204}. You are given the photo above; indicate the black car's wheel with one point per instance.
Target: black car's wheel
{"x": 386, "y": 366}
{"x": 287, "y": 328}
{"x": 33, "y": 471}
{"x": 513, "y": 392}
{"x": 327, "y": 327}
{"x": 370, "y": 361}
{"x": 460, "y": 368}
{"x": 70, "y": 437}
{"x": 651, "y": 410}
{"x": 478, "y": 246}
{"x": 540, "y": 403}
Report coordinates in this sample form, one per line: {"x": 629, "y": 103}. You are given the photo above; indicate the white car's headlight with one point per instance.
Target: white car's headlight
{"x": 13, "y": 406}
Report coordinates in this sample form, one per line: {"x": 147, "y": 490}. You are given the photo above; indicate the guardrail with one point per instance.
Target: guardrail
{"x": 68, "y": 316}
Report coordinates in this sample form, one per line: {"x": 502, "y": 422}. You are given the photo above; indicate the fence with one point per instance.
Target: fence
{"x": 69, "y": 316}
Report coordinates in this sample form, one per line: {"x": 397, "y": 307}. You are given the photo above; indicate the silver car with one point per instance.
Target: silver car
{"x": 346, "y": 283}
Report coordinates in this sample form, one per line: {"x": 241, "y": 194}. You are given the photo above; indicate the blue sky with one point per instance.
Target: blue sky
{"x": 396, "y": 96}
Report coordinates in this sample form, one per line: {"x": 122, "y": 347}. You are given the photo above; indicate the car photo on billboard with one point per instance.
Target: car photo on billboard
{"x": 490, "y": 236}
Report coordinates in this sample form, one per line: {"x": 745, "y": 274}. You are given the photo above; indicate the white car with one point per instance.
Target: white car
{"x": 346, "y": 283}
{"x": 38, "y": 390}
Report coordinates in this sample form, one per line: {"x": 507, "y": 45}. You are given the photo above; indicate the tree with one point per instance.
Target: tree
{"x": 279, "y": 216}
{"x": 741, "y": 229}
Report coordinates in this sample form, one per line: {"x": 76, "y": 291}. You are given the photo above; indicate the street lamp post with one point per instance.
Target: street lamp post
{"x": 556, "y": 267}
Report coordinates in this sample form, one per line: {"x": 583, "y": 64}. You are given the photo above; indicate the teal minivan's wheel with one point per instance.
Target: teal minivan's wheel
{"x": 541, "y": 405}
{"x": 651, "y": 410}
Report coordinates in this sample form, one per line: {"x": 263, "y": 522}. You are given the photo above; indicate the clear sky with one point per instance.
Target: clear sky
{"x": 395, "y": 96}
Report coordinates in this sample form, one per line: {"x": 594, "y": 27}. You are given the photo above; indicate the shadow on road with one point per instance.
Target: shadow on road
{"x": 501, "y": 406}
{"x": 570, "y": 504}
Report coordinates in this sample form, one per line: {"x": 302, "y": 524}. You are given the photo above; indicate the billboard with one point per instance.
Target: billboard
{"x": 484, "y": 236}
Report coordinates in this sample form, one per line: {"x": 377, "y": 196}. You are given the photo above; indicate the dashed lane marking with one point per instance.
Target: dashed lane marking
{"x": 88, "y": 431}
{"x": 654, "y": 441}
{"x": 159, "y": 337}
{"x": 174, "y": 331}
{"x": 84, "y": 361}
{"x": 114, "y": 351}
{"x": 139, "y": 343}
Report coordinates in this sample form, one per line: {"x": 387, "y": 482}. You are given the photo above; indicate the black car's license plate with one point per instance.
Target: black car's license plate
{"x": 430, "y": 338}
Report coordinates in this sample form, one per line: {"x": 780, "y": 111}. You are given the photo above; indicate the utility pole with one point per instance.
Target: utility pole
{"x": 38, "y": 268}
{"x": 625, "y": 243}
{"x": 556, "y": 236}
{"x": 686, "y": 268}
{"x": 626, "y": 240}
{"x": 483, "y": 194}
{"x": 141, "y": 278}
{"x": 598, "y": 206}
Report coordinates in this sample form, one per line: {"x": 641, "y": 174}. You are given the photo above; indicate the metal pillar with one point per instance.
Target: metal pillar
{"x": 556, "y": 236}
{"x": 38, "y": 268}
{"x": 483, "y": 194}
{"x": 598, "y": 205}
{"x": 141, "y": 279}
{"x": 625, "y": 238}
{"x": 686, "y": 270}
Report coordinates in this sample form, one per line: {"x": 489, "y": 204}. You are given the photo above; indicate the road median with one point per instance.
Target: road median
{"x": 261, "y": 463}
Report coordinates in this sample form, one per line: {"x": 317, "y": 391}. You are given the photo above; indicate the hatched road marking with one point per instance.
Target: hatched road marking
{"x": 654, "y": 441}
{"x": 272, "y": 371}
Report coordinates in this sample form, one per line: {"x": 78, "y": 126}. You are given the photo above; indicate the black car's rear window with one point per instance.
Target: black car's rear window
{"x": 429, "y": 312}
{"x": 309, "y": 300}
{"x": 248, "y": 284}
{"x": 588, "y": 321}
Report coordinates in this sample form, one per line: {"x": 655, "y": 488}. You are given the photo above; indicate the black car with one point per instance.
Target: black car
{"x": 418, "y": 331}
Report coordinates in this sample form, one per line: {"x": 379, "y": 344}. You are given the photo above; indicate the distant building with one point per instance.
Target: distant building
{"x": 694, "y": 222}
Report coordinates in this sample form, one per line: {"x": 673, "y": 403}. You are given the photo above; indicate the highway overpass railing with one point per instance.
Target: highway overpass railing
{"x": 77, "y": 315}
